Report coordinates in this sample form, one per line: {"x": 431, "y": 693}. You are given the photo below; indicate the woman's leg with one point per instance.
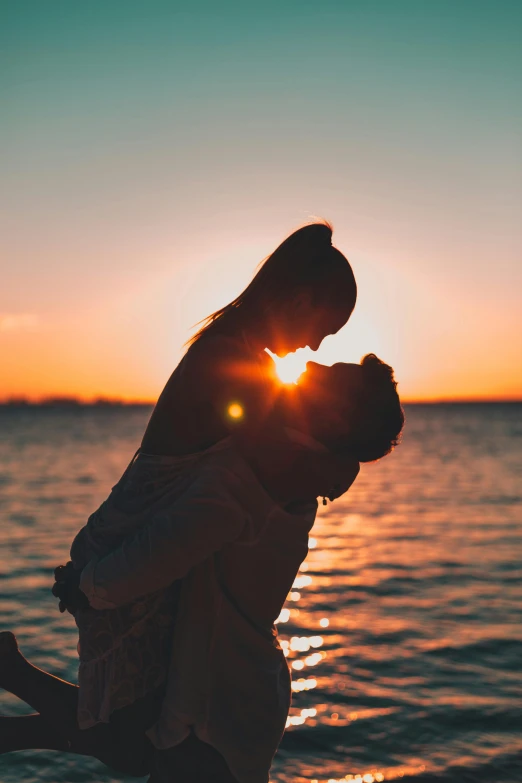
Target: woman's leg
{"x": 55, "y": 699}
{"x": 34, "y": 732}
{"x": 28, "y": 732}
{"x": 192, "y": 761}
{"x": 56, "y": 728}
{"x": 121, "y": 744}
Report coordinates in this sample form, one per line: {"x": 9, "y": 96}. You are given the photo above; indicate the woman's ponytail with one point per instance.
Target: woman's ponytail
{"x": 305, "y": 259}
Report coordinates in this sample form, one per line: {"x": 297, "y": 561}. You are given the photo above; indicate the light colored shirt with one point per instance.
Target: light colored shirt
{"x": 237, "y": 553}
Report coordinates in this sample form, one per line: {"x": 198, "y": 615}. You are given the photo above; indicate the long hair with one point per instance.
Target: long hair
{"x": 305, "y": 260}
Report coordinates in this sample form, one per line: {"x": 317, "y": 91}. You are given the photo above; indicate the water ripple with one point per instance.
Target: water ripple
{"x": 403, "y": 629}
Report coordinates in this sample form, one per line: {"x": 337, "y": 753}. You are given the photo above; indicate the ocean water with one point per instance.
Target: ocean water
{"x": 403, "y": 630}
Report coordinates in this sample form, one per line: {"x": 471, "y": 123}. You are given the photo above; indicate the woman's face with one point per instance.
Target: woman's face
{"x": 300, "y": 324}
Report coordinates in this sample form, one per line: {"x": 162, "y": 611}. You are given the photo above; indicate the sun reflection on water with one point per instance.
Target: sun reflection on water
{"x": 375, "y": 776}
{"x": 417, "y": 572}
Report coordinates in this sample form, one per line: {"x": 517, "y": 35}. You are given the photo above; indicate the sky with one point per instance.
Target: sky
{"x": 154, "y": 152}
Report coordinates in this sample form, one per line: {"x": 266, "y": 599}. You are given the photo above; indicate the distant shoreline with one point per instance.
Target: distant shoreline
{"x": 73, "y": 404}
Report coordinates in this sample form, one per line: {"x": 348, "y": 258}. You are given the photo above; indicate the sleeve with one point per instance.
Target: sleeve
{"x": 198, "y": 524}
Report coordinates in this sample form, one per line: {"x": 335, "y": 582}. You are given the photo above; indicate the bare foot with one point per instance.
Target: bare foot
{"x": 10, "y": 658}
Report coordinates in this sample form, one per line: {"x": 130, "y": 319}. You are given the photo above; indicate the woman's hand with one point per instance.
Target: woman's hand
{"x": 67, "y": 589}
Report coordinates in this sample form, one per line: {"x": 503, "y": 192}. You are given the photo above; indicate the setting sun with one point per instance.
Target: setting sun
{"x": 290, "y": 367}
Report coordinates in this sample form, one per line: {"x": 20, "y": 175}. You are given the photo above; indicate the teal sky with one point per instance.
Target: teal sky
{"x": 152, "y": 155}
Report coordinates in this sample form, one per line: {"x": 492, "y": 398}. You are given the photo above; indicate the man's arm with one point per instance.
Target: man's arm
{"x": 203, "y": 519}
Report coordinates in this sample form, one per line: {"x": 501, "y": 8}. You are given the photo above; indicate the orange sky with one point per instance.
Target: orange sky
{"x": 123, "y": 340}
{"x": 154, "y": 160}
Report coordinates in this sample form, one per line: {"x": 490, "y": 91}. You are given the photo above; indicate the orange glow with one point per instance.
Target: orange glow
{"x": 290, "y": 367}
{"x": 235, "y": 411}
{"x": 85, "y": 350}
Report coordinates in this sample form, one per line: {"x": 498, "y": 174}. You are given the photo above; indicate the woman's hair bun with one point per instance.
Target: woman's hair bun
{"x": 304, "y": 260}
{"x": 315, "y": 234}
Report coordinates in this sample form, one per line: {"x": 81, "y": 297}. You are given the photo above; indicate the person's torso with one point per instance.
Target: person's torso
{"x": 187, "y": 418}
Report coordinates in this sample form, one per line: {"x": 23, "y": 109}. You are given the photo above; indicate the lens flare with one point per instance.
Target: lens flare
{"x": 235, "y": 411}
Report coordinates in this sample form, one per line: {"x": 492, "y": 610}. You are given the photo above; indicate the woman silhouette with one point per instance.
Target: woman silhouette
{"x": 224, "y": 385}
{"x": 304, "y": 291}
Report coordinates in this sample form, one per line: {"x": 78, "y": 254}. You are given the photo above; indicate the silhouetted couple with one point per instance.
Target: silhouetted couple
{"x": 175, "y": 582}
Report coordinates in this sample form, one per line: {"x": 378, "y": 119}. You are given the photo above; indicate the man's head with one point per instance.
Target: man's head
{"x": 353, "y": 408}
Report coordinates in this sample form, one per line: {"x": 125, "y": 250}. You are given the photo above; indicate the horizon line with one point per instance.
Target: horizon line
{"x": 73, "y": 401}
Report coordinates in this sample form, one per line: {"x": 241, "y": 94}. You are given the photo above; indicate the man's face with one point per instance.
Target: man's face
{"x": 325, "y": 394}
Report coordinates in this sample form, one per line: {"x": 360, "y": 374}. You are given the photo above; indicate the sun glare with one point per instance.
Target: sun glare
{"x": 290, "y": 367}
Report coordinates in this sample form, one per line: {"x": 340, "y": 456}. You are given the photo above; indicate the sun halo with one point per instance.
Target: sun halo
{"x": 289, "y": 368}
